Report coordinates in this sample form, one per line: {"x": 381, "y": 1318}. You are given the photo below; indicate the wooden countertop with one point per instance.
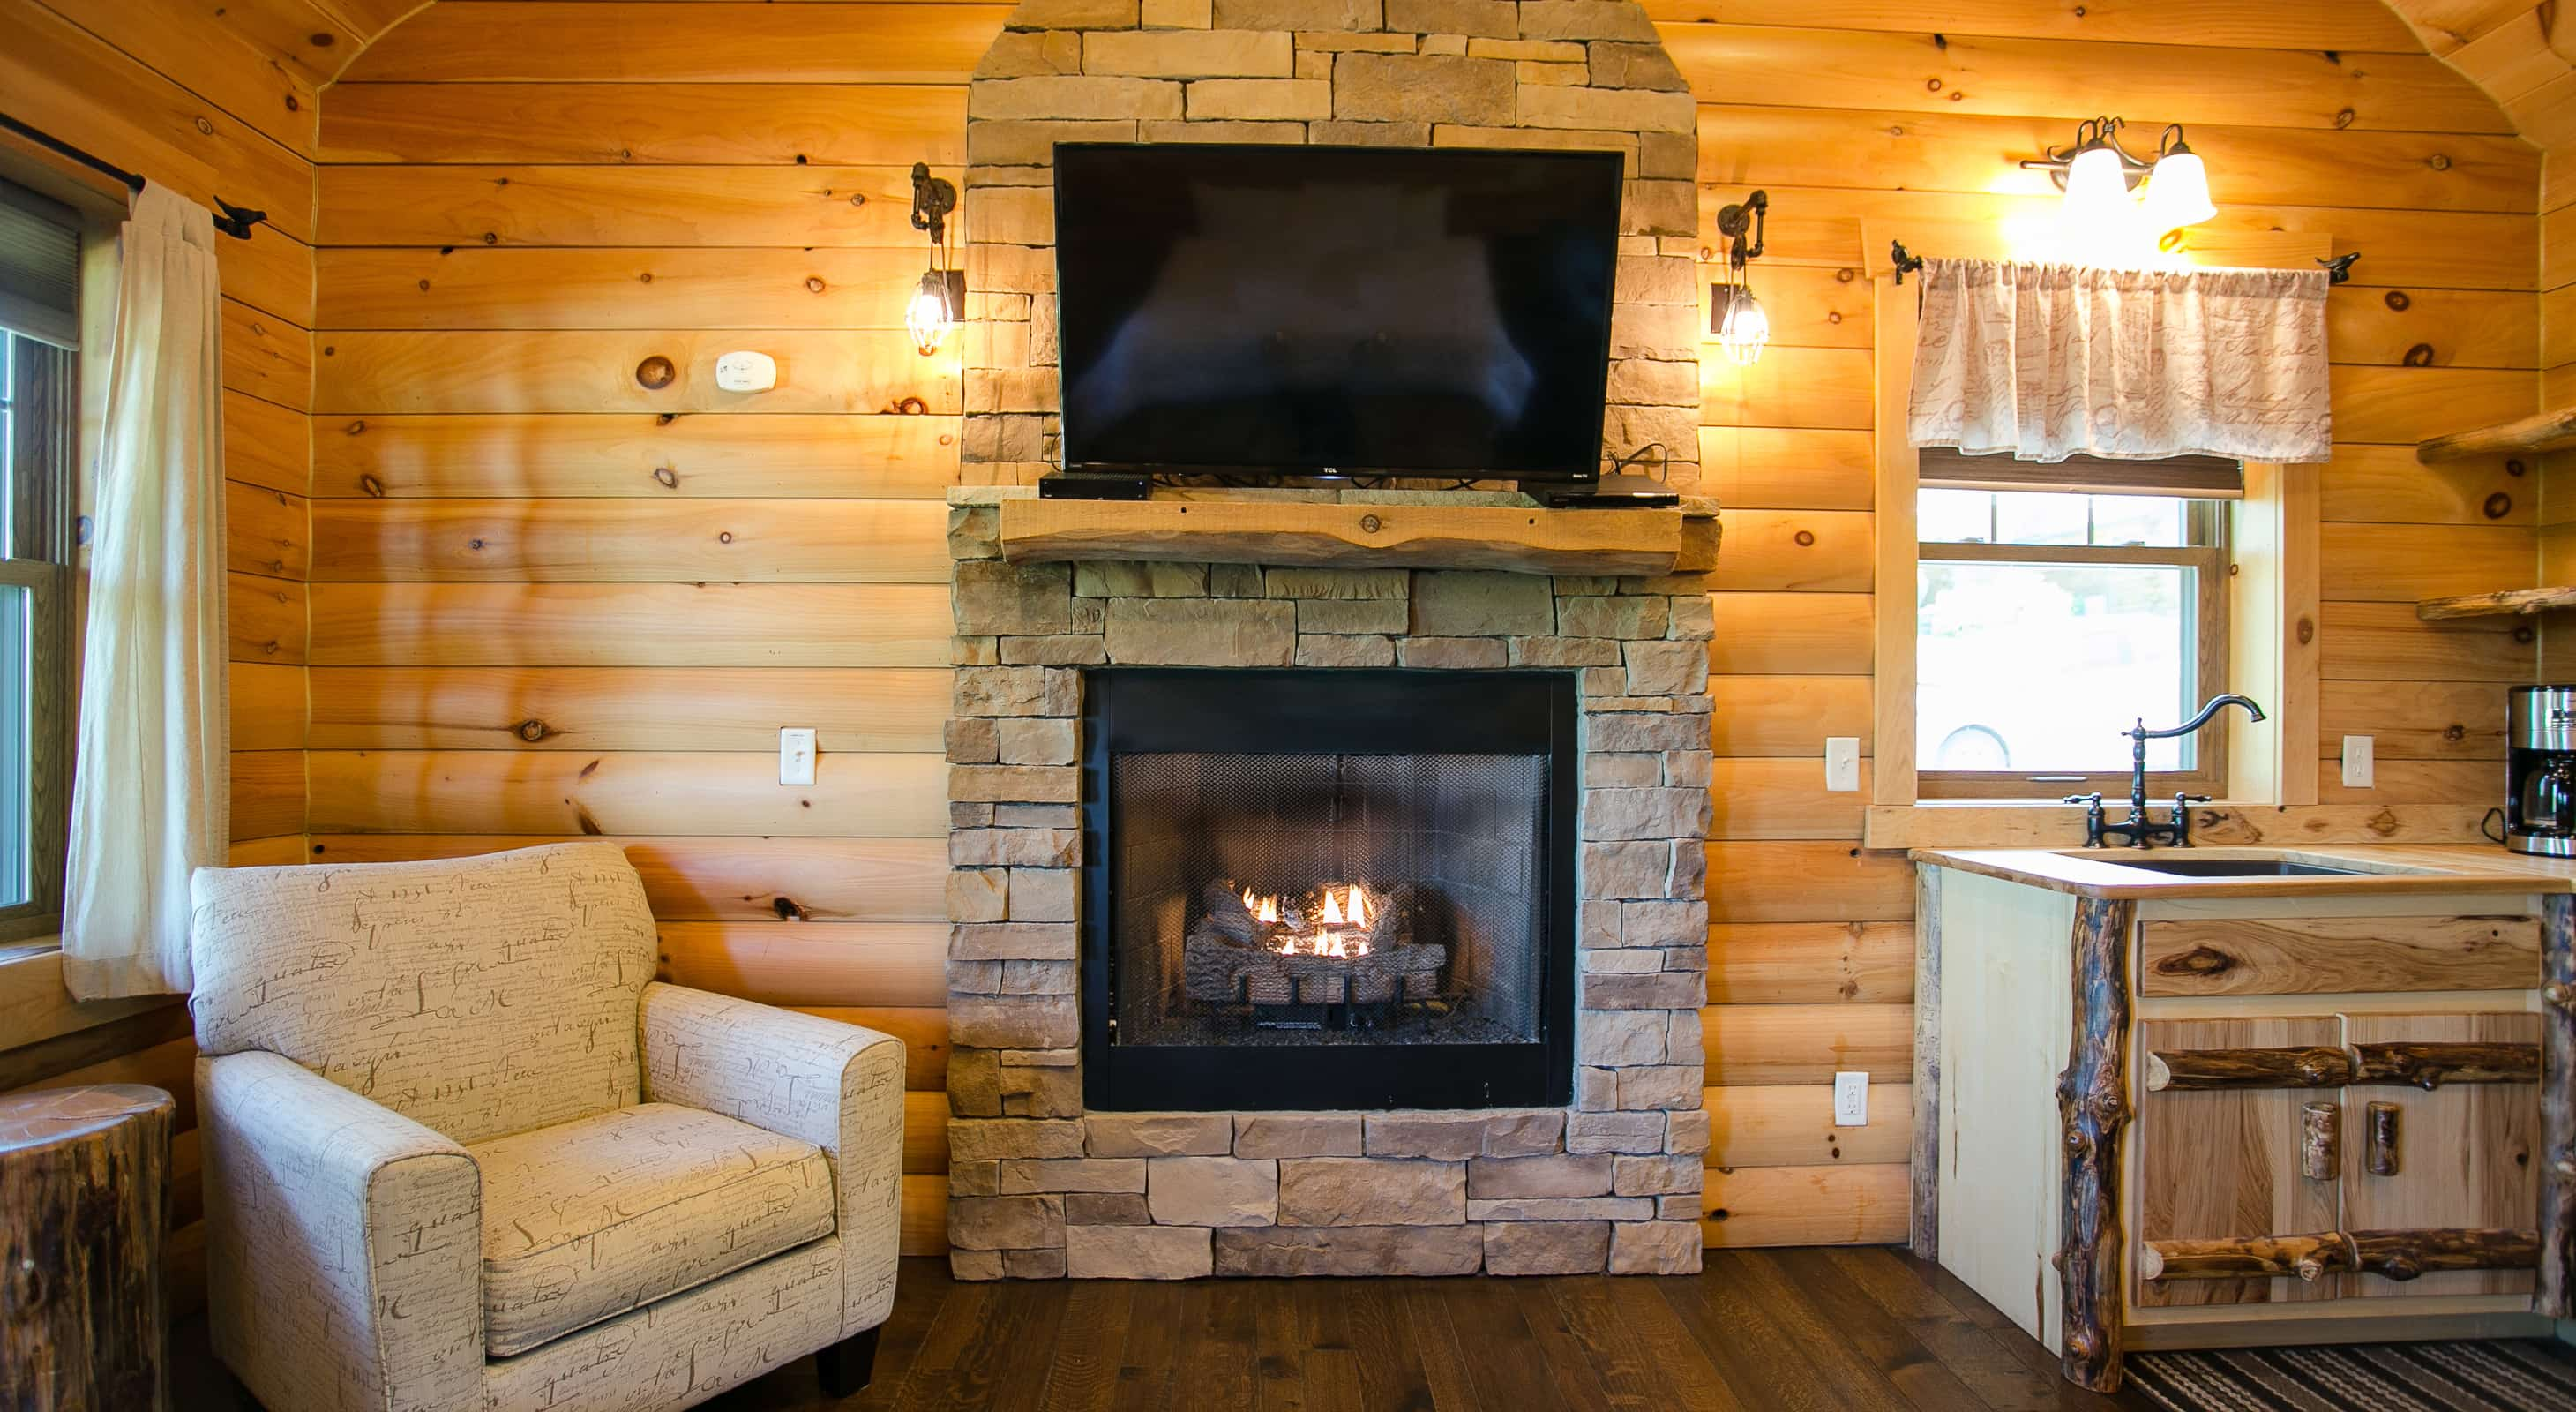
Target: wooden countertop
{"x": 2389, "y": 868}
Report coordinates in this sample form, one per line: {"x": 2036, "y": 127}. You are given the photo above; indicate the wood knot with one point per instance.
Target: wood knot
{"x": 2202, "y": 960}
{"x": 910, "y": 406}
{"x": 1845, "y": 275}
{"x": 2307, "y": 631}
{"x": 2498, "y": 506}
{"x": 656, "y": 373}
{"x": 321, "y": 41}
{"x": 2344, "y": 118}
{"x": 2398, "y": 300}
{"x": 532, "y": 730}
{"x": 1371, "y": 524}
{"x": 2419, "y": 356}
{"x": 2455, "y": 732}
{"x": 372, "y": 486}
{"x": 2525, "y": 635}
{"x": 1804, "y": 538}
{"x": 814, "y": 283}
{"x": 354, "y": 429}
{"x": 205, "y": 127}
{"x": 2439, "y": 162}
{"x": 2514, "y": 466}
{"x": 724, "y": 536}
{"x": 669, "y": 478}
{"x": 787, "y": 908}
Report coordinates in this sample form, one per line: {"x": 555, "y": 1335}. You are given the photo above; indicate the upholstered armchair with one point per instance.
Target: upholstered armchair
{"x": 462, "y": 1151}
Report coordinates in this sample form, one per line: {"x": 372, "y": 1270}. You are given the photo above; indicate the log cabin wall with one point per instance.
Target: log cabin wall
{"x": 205, "y": 100}
{"x": 549, "y": 602}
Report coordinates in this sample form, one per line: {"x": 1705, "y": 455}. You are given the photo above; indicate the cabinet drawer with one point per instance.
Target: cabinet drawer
{"x": 2320, "y": 955}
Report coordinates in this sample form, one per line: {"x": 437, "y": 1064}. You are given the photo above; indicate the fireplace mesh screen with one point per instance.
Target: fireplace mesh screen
{"x": 1302, "y": 899}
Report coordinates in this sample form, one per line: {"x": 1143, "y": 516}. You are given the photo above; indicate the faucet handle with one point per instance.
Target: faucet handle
{"x": 2094, "y": 799}
{"x": 2183, "y": 799}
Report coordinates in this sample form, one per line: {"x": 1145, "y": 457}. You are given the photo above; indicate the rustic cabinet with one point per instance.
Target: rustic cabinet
{"x": 2190, "y": 1120}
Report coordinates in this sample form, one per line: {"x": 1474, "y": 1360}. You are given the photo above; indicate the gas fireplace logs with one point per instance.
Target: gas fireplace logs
{"x": 1252, "y": 949}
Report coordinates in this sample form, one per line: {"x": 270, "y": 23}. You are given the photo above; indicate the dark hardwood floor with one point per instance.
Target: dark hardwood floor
{"x": 1763, "y": 1330}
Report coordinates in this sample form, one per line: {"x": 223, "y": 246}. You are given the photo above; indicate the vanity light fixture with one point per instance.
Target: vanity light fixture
{"x": 2102, "y": 213}
{"x": 940, "y": 300}
{"x": 1735, "y": 317}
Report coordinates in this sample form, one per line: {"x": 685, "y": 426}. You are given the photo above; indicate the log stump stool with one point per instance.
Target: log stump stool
{"x": 84, "y": 1196}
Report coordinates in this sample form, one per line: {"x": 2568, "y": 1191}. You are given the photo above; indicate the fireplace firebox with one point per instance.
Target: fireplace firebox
{"x": 1316, "y": 889}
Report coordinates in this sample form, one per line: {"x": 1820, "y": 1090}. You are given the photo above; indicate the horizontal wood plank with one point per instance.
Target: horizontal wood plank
{"x": 1782, "y": 797}
{"x": 924, "y": 1033}
{"x": 1785, "y": 716}
{"x": 1807, "y": 1044}
{"x": 719, "y": 879}
{"x": 1642, "y": 541}
{"x": 2356, "y": 26}
{"x": 2415, "y": 720}
{"x": 631, "y": 625}
{"x": 624, "y": 708}
{"x": 264, "y": 619}
{"x": 551, "y": 41}
{"x": 1777, "y": 881}
{"x": 900, "y": 964}
{"x": 1826, "y": 1205}
{"x": 630, "y": 541}
{"x": 267, "y": 793}
{"x": 623, "y": 792}
{"x": 2387, "y": 642}
{"x": 1792, "y": 634}
{"x": 2404, "y": 563}
{"x": 1813, "y": 551}
{"x": 658, "y": 206}
{"x": 1811, "y": 963}
{"x": 2330, "y": 954}
{"x": 266, "y": 532}
{"x": 485, "y": 288}
{"x": 1793, "y": 1126}
{"x": 267, "y": 445}
{"x": 1786, "y": 468}
{"x": 857, "y": 370}
{"x": 267, "y": 706}
{"x": 2387, "y": 485}
{"x": 718, "y": 455}
{"x": 759, "y": 124}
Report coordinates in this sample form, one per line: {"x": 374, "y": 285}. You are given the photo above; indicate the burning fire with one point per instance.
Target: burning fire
{"x": 1340, "y": 926}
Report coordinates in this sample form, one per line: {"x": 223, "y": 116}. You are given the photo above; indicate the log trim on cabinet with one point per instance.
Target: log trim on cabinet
{"x": 1924, "y": 1233}
{"x": 2553, "y": 1292}
{"x": 2395, "y": 1255}
{"x": 2424, "y": 1066}
{"x": 2093, "y": 1108}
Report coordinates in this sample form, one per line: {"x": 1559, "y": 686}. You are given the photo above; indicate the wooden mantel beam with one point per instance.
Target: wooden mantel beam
{"x": 1358, "y": 535}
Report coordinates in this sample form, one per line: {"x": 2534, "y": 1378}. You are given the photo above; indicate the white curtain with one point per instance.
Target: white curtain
{"x": 151, "y": 795}
{"x": 2043, "y": 362}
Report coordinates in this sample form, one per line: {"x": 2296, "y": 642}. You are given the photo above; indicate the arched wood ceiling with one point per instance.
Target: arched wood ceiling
{"x": 2515, "y": 51}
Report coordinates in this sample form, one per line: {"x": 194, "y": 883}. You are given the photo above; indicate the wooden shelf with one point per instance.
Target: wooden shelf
{"x": 2521, "y": 602}
{"x": 1355, "y": 535}
{"x": 2550, "y": 431}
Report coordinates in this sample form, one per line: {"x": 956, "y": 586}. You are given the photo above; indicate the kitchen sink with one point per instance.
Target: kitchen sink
{"x": 2224, "y": 867}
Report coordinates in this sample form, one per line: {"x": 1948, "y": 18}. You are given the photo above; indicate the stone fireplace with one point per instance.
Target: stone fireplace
{"x": 1534, "y": 907}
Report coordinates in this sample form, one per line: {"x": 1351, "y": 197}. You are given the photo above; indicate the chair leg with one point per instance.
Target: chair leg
{"x": 848, "y": 1365}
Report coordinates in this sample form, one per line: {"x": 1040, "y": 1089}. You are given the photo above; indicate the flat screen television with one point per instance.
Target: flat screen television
{"x": 1269, "y": 311}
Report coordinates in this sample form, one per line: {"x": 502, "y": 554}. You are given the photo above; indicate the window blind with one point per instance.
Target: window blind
{"x": 2189, "y": 477}
{"x": 39, "y": 267}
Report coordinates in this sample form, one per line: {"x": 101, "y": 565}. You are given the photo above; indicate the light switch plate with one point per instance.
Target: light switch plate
{"x": 1842, "y": 762}
{"x": 796, "y": 755}
{"x": 1851, "y": 1100}
{"x": 2360, "y": 758}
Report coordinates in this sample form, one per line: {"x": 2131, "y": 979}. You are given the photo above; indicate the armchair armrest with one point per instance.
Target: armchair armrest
{"x": 344, "y": 1243}
{"x": 837, "y": 1086}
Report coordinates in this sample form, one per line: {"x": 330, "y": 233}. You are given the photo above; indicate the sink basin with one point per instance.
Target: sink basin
{"x": 2228, "y": 867}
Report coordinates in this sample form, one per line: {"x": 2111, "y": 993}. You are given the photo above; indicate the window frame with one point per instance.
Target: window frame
{"x": 43, "y": 485}
{"x": 2209, "y": 558}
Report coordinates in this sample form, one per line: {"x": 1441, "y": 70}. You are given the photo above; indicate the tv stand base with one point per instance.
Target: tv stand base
{"x": 1624, "y": 492}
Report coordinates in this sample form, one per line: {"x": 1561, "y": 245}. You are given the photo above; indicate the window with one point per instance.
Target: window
{"x": 39, "y": 424}
{"x": 2048, "y": 623}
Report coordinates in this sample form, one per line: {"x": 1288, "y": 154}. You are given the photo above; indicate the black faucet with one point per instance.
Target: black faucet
{"x": 2138, "y": 829}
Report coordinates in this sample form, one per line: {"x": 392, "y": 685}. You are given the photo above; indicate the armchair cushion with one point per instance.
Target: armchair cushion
{"x": 586, "y": 1220}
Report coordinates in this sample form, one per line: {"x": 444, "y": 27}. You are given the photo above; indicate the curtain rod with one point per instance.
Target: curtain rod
{"x": 232, "y": 220}
{"x": 2338, "y": 268}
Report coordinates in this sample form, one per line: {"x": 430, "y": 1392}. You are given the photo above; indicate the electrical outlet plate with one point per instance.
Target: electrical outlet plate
{"x": 796, "y": 755}
{"x": 1851, "y": 1100}
{"x": 2360, "y": 761}
{"x": 1842, "y": 762}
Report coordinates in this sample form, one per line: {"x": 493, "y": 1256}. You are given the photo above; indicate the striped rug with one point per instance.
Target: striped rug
{"x": 2519, "y": 1376}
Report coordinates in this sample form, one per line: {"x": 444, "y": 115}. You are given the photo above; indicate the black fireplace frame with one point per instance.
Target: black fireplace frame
{"x": 1342, "y": 710}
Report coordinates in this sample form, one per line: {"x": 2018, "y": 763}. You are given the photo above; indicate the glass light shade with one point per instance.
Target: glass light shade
{"x": 932, "y": 313}
{"x": 2096, "y": 221}
{"x": 2177, "y": 194}
{"x": 1737, "y": 319}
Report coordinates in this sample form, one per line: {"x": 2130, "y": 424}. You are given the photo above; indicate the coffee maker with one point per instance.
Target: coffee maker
{"x": 2540, "y": 771}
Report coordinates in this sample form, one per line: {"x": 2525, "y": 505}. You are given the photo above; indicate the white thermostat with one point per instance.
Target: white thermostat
{"x": 746, "y": 372}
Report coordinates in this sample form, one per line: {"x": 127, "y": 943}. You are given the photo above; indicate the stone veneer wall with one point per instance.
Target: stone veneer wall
{"x": 1395, "y": 73}
{"x": 1037, "y": 1188}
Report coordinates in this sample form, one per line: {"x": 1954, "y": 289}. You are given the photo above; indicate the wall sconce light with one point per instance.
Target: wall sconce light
{"x": 2100, "y": 176}
{"x": 940, "y": 300}
{"x": 1735, "y": 317}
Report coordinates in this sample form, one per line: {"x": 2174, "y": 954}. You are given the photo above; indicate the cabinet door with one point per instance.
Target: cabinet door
{"x": 2467, "y": 1154}
{"x": 2225, "y": 1162}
